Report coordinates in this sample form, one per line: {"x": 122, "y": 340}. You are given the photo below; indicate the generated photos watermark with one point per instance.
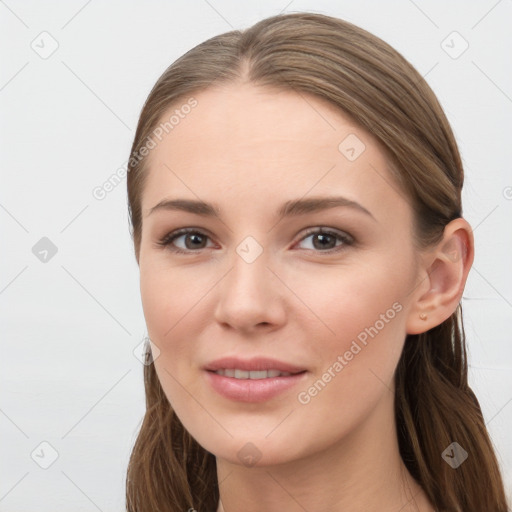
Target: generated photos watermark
{"x": 361, "y": 341}
{"x": 100, "y": 192}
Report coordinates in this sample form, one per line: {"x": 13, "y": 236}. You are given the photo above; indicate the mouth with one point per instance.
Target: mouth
{"x": 236, "y": 373}
{"x": 254, "y": 380}
{"x": 244, "y": 367}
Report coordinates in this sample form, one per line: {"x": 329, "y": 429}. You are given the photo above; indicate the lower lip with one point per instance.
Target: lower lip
{"x": 252, "y": 390}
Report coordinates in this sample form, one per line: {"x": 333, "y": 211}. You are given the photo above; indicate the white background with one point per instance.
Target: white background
{"x": 70, "y": 325}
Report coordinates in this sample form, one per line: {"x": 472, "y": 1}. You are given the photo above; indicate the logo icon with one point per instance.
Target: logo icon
{"x": 44, "y": 250}
{"x": 455, "y": 455}
{"x": 351, "y": 147}
{"x": 249, "y": 249}
{"x": 44, "y": 455}
{"x": 454, "y": 45}
{"x": 249, "y": 454}
{"x": 45, "y": 45}
{"x": 140, "y": 351}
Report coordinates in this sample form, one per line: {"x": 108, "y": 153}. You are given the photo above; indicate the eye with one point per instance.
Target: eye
{"x": 324, "y": 240}
{"x": 192, "y": 238}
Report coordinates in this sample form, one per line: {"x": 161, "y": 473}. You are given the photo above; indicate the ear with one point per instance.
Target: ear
{"x": 442, "y": 273}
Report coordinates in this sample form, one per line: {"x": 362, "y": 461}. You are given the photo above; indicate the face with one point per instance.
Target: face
{"x": 279, "y": 323}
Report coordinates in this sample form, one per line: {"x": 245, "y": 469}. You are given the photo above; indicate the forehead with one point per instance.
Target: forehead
{"x": 251, "y": 144}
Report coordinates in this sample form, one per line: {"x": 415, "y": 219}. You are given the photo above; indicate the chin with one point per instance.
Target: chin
{"x": 254, "y": 452}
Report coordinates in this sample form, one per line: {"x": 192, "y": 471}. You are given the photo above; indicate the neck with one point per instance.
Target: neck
{"x": 363, "y": 471}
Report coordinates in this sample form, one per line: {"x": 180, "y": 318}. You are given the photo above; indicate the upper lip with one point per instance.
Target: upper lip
{"x": 253, "y": 364}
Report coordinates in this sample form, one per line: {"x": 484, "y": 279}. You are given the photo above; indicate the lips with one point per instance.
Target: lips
{"x": 252, "y": 380}
{"x": 256, "y": 364}
{"x": 236, "y": 373}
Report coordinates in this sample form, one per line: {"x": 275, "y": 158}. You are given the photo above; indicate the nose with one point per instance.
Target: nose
{"x": 250, "y": 297}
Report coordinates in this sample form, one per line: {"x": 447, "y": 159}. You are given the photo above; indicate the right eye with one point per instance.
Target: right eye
{"x": 192, "y": 239}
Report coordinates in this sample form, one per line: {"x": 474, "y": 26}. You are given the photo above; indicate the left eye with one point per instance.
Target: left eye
{"x": 322, "y": 240}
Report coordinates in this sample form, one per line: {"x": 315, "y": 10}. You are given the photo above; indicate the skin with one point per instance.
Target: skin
{"x": 249, "y": 149}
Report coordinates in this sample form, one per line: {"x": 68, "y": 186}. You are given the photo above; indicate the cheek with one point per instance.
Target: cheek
{"x": 347, "y": 301}
{"x": 168, "y": 305}
{"x": 155, "y": 302}
{"x": 355, "y": 367}
{"x": 175, "y": 304}
{"x": 168, "y": 296}
{"x": 360, "y": 330}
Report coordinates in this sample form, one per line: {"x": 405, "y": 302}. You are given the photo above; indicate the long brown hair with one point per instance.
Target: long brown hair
{"x": 371, "y": 82}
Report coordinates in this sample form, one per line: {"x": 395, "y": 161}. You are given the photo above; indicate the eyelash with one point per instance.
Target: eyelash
{"x": 347, "y": 239}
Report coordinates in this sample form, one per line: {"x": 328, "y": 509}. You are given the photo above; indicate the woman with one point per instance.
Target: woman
{"x": 295, "y": 200}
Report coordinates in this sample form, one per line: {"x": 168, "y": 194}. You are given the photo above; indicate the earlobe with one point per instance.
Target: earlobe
{"x": 445, "y": 268}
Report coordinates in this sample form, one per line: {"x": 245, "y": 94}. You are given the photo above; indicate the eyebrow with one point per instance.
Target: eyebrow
{"x": 291, "y": 208}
